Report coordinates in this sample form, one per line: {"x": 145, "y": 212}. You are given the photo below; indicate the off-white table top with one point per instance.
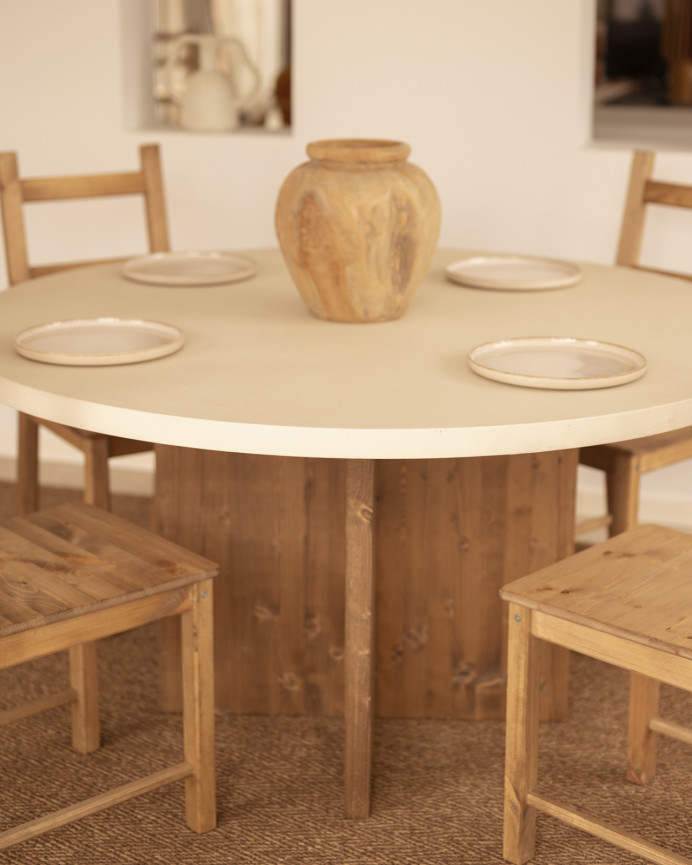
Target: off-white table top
{"x": 259, "y": 374}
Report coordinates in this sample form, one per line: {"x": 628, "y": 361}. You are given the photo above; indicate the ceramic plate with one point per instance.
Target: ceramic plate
{"x": 98, "y": 341}
{"x": 561, "y": 363}
{"x": 513, "y": 273}
{"x": 189, "y": 268}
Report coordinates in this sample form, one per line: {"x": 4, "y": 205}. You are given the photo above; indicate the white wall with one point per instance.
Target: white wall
{"x": 493, "y": 97}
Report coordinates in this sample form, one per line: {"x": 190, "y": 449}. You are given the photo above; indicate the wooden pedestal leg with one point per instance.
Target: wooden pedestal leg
{"x": 198, "y": 708}
{"x": 641, "y": 739}
{"x": 521, "y": 753}
{"x": 359, "y": 635}
{"x": 86, "y": 735}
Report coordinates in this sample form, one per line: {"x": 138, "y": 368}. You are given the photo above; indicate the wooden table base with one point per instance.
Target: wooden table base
{"x": 302, "y": 556}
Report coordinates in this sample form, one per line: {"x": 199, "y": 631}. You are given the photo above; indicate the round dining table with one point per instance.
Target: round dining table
{"x": 365, "y": 491}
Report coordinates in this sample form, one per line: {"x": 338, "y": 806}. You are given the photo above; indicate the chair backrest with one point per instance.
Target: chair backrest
{"x": 16, "y": 191}
{"x": 643, "y": 191}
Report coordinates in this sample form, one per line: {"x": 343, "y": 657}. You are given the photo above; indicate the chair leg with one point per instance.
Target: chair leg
{"x": 27, "y": 464}
{"x": 641, "y": 739}
{"x": 521, "y": 738}
{"x": 623, "y": 493}
{"x": 86, "y": 733}
{"x": 170, "y": 679}
{"x": 96, "y": 485}
{"x": 198, "y": 708}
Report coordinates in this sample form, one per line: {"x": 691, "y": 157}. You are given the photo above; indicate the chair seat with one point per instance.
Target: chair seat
{"x": 74, "y": 559}
{"x": 633, "y": 586}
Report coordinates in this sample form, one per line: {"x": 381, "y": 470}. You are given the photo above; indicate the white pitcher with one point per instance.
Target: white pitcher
{"x": 212, "y": 101}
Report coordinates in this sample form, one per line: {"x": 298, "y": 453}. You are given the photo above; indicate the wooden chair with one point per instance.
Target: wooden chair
{"x": 626, "y": 601}
{"x": 625, "y": 462}
{"x": 73, "y": 574}
{"x": 15, "y": 192}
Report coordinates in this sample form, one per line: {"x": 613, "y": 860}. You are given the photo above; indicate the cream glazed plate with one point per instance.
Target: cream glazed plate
{"x": 98, "y": 341}
{"x": 189, "y": 268}
{"x": 513, "y": 273}
{"x": 559, "y": 363}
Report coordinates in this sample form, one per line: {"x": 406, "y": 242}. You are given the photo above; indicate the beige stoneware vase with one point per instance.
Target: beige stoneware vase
{"x": 357, "y": 226}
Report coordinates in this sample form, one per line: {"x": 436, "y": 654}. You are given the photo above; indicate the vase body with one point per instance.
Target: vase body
{"x": 357, "y": 226}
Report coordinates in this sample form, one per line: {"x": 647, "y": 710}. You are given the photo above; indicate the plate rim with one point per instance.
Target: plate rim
{"x": 547, "y": 382}
{"x": 129, "y": 268}
{"x": 573, "y": 273}
{"x": 105, "y": 358}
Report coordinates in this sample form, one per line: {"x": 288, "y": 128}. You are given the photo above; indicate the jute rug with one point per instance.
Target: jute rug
{"x": 437, "y": 785}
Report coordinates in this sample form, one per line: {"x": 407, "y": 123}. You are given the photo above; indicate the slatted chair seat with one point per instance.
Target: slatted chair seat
{"x": 628, "y": 602}
{"x": 74, "y": 574}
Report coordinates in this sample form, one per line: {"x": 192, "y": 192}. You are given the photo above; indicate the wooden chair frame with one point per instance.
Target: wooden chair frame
{"x": 624, "y": 462}
{"x": 138, "y": 578}
{"x": 595, "y": 610}
{"x": 15, "y": 192}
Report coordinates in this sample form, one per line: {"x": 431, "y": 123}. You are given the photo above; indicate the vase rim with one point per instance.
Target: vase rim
{"x": 358, "y": 150}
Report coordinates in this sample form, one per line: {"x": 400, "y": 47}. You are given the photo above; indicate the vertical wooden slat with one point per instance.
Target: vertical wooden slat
{"x": 154, "y": 198}
{"x": 291, "y": 579}
{"x": 14, "y": 231}
{"x": 324, "y": 491}
{"x": 634, "y": 214}
{"x": 553, "y": 519}
{"x": 449, "y": 534}
{"x": 359, "y": 635}
{"x": 521, "y": 738}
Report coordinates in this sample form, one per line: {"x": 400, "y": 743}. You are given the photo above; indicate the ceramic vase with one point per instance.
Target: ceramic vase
{"x": 357, "y": 226}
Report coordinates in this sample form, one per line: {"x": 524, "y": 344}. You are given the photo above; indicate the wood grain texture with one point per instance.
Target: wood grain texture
{"x": 73, "y": 575}
{"x": 101, "y": 561}
{"x": 198, "y": 707}
{"x": 608, "y": 832}
{"x": 628, "y": 602}
{"x": 635, "y": 586}
{"x": 448, "y": 535}
{"x": 521, "y": 738}
{"x": 359, "y": 630}
{"x": 641, "y": 739}
{"x": 357, "y": 226}
{"x": 634, "y": 214}
{"x": 86, "y": 728}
